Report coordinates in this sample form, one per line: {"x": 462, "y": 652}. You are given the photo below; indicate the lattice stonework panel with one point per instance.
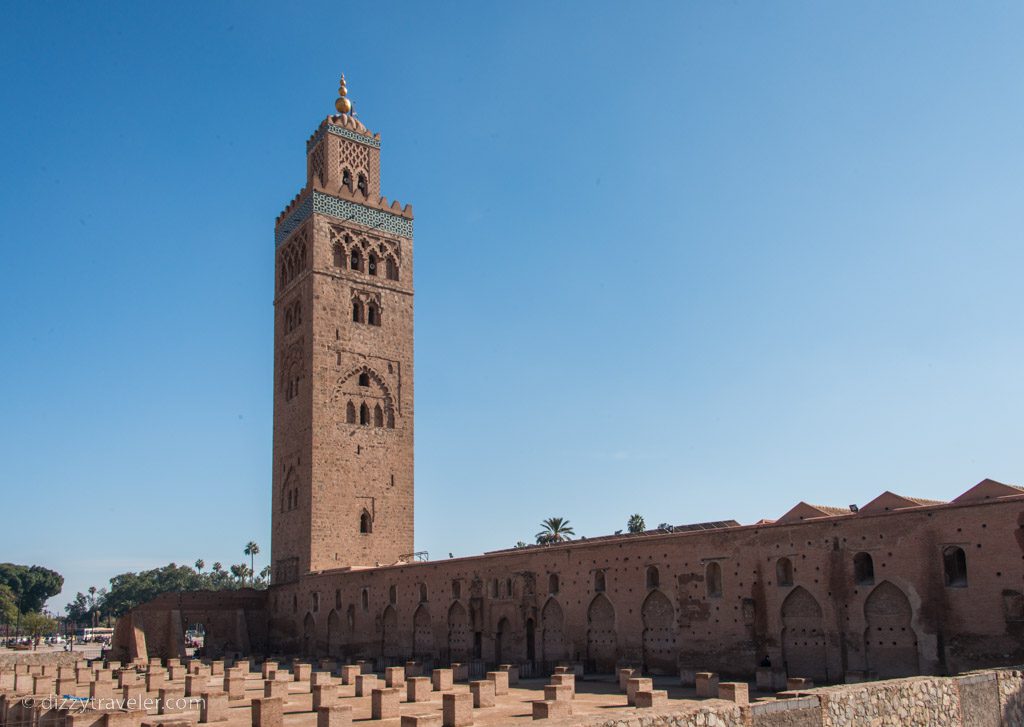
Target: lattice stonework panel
{"x": 317, "y": 166}
{"x": 355, "y": 158}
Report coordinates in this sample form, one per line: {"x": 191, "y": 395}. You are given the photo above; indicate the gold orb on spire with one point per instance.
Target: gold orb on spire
{"x": 343, "y": 104}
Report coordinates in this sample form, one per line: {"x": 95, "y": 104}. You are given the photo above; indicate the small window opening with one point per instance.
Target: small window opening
{"x": 863, "y": 569}
{"x": 653, "y": 578}
{"x": 713, "y": 577}
{"x": 784, "y": 572}
{"x": 954, "y": 562}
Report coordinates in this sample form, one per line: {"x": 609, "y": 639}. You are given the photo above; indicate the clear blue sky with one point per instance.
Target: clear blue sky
{"x": 693, "y": 260}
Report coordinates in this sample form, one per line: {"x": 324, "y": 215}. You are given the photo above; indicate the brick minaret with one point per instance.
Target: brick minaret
{"x": 343, "y": 354}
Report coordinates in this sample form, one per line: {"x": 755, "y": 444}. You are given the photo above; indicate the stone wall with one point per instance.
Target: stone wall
{"x": 802, "y": 712}
{"x": 993, "y": 698}
{"x": 1011, "y": 696}
{"x": 235, "y": 622}
{"x": 59, "y": 658}
{"x": 647, "y": 601}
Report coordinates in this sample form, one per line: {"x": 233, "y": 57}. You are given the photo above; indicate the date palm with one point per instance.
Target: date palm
{"x": 555, "y": 530}
{"x": 240, "y": 571}
{"x": 636, "y": 523}
{"x": 251, "y": 549}
{"x": 200, "y": 564}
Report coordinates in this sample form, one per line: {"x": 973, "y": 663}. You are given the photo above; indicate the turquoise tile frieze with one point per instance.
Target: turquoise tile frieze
{"x": 343, "y": 132}
{"x": 292, "y": 221}
{"x": 343, "y": 210}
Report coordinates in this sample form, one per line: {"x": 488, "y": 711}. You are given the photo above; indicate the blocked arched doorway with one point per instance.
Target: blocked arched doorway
{"x": 552, "y": 636}
{"x": 335, "y": 634}
{"x": 602, "y": 643}
{"x": 309, "y": 635}
{"x": 803, "y": 636}
{"x": 890, "y": 644}
{"x": 501, "y": 638}
{"x": 458, "y": 633}
{"x": 389, "y": 632}
{"x": 659, "y": 637}
{"x": 422, "y": 634}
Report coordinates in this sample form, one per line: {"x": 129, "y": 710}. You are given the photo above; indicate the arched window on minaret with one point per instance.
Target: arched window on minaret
{"x": 350, "y": 413}
{"x": 391, "y": 268}
{"x": 346, "y": 179}
{"x": 364, "y": 379}
{"x": 364, "y": 185}
{"x": 371, "y": 266}
{"x": 339, "y": 256}
{"x": 357, "y": 259}
{"x": 391, "y": 419}
{"x": 364, "y": 414}
{"x": 357, "y": 311}
{"x": 378, "y": 416}
{"x": 365, "y": 523}
{"x": 373, "y": 314}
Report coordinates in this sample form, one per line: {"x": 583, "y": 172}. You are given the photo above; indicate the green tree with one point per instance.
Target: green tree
{"x": 251, "y": 550}
{"x": 554, "y": 530}
{"x": 32, "y": 585}
{"x": 636, "y": 523}
{"x": 37, "y": 625}
{"x": 264, "y": 576}
{"x": 78, "y": 609}
{"x": 8, "y": 606}
{"x": 128, "y": 590}
{"x": 219, "y": 578}
{"x": 200, "y": 564}
{"x": 240, "y": 571}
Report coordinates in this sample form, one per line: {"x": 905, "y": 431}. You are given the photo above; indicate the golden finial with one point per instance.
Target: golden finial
{"x": 343, "y": 104}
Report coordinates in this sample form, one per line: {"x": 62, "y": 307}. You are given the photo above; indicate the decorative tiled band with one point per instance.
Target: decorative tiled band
{"x": 292, "y": 221}
{"x": 341, "y": 131}
{"x": 344, "y": 210}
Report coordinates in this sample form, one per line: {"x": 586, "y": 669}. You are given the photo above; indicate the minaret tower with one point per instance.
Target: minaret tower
{"x": 343, "y": 355}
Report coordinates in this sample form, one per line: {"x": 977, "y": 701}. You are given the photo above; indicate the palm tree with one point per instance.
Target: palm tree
{"x": 251, "y": 549}
{"x": 200, "y": 564}
{"x": 636, "y": 523}
{"x": 92, "y": 606}
{"x": 240, "y": 571}
{"x": 554, "y": 530}
{"x": 265, "y": 574}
